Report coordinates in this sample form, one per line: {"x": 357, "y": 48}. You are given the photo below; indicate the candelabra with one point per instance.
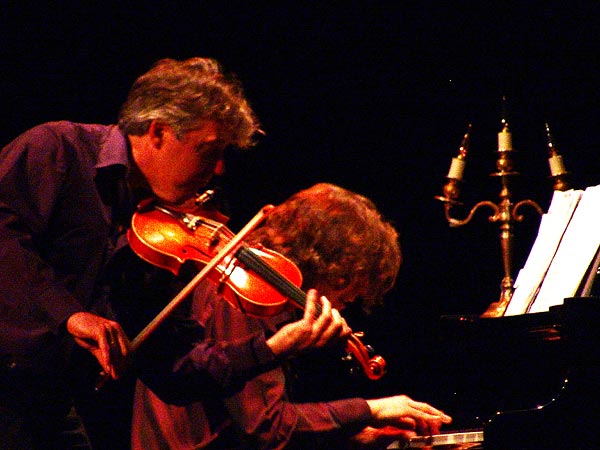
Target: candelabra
{"x": 505, "y": 212}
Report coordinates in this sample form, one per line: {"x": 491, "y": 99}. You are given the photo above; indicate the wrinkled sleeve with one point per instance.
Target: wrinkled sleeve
{"x": 32, "y": 170}
{"x": 182, "y": 364}
{"x": 267, "y": 419}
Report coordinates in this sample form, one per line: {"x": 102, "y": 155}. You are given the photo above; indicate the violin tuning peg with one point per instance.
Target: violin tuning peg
{"x": 347, "y": 358}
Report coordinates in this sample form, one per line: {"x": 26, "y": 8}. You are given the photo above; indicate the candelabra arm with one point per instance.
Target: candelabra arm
{"x": 453, "y": 222}
{"x": 534, "y": 205}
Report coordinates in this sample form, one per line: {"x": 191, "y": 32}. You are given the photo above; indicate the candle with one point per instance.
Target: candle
{"x": 557, "y": 167}
{"x": 505, "y": 140}
{"x": 555, "y": 161}
{"x": 457, "y": 168}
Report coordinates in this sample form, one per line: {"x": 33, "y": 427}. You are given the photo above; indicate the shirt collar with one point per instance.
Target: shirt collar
{"x": 114, "y": 149}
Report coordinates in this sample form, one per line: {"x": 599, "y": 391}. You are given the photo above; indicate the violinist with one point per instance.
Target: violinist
{"x": 346, "y": 250}
{"x": 67, "y": 194}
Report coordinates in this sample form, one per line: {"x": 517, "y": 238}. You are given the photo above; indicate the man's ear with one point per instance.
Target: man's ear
{"x": 156, "y": 132}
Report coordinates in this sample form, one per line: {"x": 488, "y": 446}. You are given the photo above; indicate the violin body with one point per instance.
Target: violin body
{"x": 162, "y": 241}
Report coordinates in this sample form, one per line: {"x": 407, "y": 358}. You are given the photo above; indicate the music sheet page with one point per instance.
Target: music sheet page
{"x": 550, "y": 233}
{"x": 574, "y": 255}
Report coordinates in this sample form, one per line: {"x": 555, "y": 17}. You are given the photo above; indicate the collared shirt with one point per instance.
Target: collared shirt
{"x": 56, "y": 218}
{"x": 65, "y": 205}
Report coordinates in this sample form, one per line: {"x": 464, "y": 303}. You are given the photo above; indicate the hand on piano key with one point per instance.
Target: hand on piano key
{"x": 400, "y": 417}
{"x": 402, "y": 411}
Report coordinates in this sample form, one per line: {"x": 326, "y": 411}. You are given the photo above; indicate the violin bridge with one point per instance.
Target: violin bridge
{"x": 191, "y": 221}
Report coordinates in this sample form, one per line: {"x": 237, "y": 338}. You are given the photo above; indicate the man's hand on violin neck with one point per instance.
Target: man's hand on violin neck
{"x": 314, "y": 330}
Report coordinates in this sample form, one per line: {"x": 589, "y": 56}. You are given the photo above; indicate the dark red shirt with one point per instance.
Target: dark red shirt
{"x": 257, "y": 416}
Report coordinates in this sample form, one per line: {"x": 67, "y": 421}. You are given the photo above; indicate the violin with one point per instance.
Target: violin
{"x": 258, "y": 281}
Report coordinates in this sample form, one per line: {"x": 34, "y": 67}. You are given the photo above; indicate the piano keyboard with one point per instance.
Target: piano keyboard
{"x": 450, "y": 438}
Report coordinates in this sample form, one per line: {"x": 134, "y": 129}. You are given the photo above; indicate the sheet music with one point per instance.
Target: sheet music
{"x": 574, "y": 255}
{"x": 550, "y": 233}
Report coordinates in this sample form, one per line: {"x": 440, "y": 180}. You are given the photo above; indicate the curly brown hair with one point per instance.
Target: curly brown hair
{"x": 336, "y": 237}
{"x": 180, "y": 93}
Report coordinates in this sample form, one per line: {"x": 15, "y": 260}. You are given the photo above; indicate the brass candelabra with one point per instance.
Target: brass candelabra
{"x": 505, "y": 212}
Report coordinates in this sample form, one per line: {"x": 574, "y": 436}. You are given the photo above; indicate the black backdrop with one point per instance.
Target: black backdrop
{"x": 372, "y": 95}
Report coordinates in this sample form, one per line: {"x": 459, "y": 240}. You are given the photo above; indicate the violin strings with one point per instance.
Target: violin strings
{"x": 251, "y": 259}
{"x": 278, "y": 281}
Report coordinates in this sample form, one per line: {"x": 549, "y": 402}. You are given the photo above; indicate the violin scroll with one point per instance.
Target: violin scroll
{"x": 372, "y": 366}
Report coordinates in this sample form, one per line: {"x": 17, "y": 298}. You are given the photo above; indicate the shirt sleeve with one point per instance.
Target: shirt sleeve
{"x": 32, "y": 170}
{"x": 267, "y": 419}
{"x": 262, "y": 411}
{"x": 182, "y": 363}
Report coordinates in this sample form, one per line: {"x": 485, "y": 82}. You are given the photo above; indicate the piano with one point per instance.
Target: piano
{"x": 529, "y": 381}
{"x": 526, "y": 382}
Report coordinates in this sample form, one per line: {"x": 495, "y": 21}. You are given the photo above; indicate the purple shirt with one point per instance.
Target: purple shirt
{"x": 64, "y": 207}
{"x": 64, "y": 202}
{"x": 55, "y": 223}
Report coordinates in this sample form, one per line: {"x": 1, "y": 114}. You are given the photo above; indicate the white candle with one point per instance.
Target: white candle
{"x": 457, "y": 168}
{"x": 505, "y": 141}
{"x": 557, "y": 166}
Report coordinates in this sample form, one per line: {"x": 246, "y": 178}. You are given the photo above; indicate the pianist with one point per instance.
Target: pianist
{"x": 347, "y": 251}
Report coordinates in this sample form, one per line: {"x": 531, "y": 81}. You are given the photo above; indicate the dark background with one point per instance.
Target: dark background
{"x": 372, "y": 95}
